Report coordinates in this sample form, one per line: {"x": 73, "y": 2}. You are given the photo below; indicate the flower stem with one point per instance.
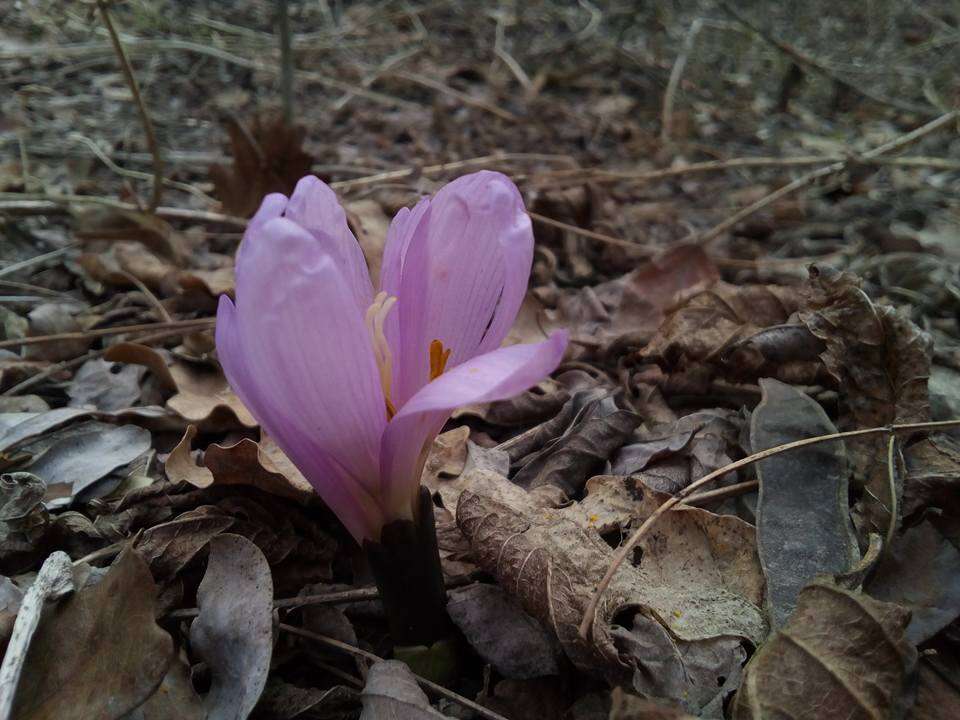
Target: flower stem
{"x": 406, "y": 566}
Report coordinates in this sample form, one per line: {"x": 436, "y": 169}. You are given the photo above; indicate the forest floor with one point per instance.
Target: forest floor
{"x": 747, "y": 218}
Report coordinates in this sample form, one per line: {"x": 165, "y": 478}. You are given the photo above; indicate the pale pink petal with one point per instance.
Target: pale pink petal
{"x": 315, "y": 207}
{"x": 352, "y": 503}
{"x": 463, "y": 267}
{"x": 296, "y": 350}
{"x": 495, "y": 375}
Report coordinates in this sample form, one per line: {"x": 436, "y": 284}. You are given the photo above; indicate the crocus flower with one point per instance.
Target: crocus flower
{"x": 354, "y": 385}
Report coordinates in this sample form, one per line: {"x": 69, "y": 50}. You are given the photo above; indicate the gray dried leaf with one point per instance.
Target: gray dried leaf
{"x": 105, "y": 385}
{"x": 502, "y": 633}
{"x": 552, "y": 565}
{"x": 234, "y": 631}
{"x": 76, "y": 457}
{"x": 697, "y": 675}
{"x": 53, "y": 319}
{"x": 23, "y": 521}
{"x": 920, "y": 571}
{"x": 803, "y": 522}
{"x": 16, "y": 428}
{"x": 392, "y": 692}
{"x": 841, "y": 656}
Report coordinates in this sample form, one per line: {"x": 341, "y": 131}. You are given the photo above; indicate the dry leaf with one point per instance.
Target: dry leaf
{"x": 552, "y": 566}
{"x": 268, "y": 156}
{"x": 803, "y": 520}
{"x": 392, "y": 692}
{"x": 840, "y": 656}
{"x": 234, "y": 631}
{"x": 112, "y": 621}
{"x": 502, "y": 633}
{"x": 205, "y": 399}
{"x": 882, "y": 362}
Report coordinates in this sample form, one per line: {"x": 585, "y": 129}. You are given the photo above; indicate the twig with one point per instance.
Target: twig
{"x": 286, "y": 62}
{"x": 131, "y": 79}
{"x": 54, "y": 580}
{"x": 892, "y": 480}
{"x": 195, "y": 324}
{"x": 821, "y": 69}
{"x": 609, "y": 239}
{"x": 431, "y": 686}
{"x": 445, "y": 167}
{"x": 41, "y": 203}
{"x": 599, "y": 175}
{"x": 24, "y": 264}
{"x": 666, "y": 116}
{"x": 429, "y": 82}
{"x": 624, "y": 550}
{"x": 810, "y": 178}
{"x": 723, "y": 493}
{"x": 151, "y": 298}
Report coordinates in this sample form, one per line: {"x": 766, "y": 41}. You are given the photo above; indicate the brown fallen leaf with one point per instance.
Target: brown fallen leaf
{"x": 169, "y": 547}
{"x": 552, "y": 566}
{"x": 112, "y": 621}
{"x": 268, "y": 156}
{"x": 205, "y": 399}
{"x": 118, "y": 225}
{"x": 881, "y": 361}
{"x": 146, "y": 356}
{"x": 248, "y": 463}
{"x": 840, "y": 656}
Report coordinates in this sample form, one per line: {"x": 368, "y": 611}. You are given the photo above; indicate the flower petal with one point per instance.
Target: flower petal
{"x": 297, "y": 352}
{"x": 495, "y": 375}
{"x": 464, "y": 262}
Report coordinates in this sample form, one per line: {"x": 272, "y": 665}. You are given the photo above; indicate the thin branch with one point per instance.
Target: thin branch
{"x": 624, "y": 550}
{"x": 131, "y": 79}
{"x": 431, "y": 686}
{"x": 812, "y": 177}
{"x": 286, "y": 61}
{"x": 609, "y": 239}
{"x": 196, "y": 324}
{"x": 666, "y": 116}
{"x": 42, "y": 203}
{"x": 821, "y": 69}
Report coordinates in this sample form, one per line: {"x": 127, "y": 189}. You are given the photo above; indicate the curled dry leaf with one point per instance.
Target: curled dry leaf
{"x": 169, "y": 547}
{"x": 840, "y": 656}
{"x": 803, "y": 521}
{"x": 205, "y": 399}
{"x": 234, "y": 631}
{"x": 552, "y": 566}
{"x": 244, "y": 463}
{"x": 881, "y": 361}
{"x": 112, "y": 621}
{"x": 146, "y": 356}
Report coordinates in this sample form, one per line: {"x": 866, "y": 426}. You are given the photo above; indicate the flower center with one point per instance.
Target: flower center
{"x": 376, "y": 315}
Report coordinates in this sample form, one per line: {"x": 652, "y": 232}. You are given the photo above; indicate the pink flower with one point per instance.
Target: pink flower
{"x": 354, "y": 386}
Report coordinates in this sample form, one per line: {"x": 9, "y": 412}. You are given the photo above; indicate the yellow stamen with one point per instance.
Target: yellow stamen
{"x": 438, "y": 359}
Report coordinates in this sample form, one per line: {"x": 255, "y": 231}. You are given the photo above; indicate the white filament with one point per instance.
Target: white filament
{"x": 375, "y": 318}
